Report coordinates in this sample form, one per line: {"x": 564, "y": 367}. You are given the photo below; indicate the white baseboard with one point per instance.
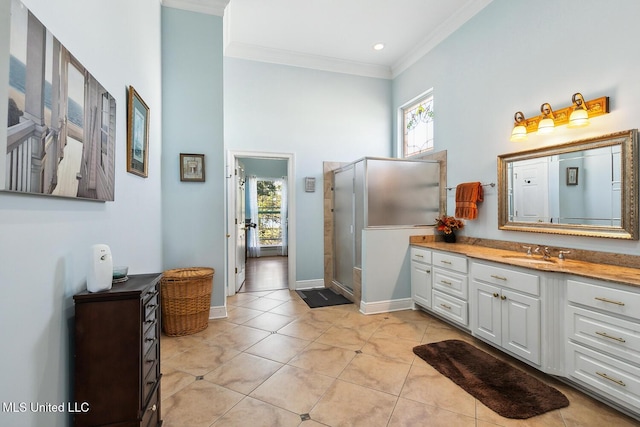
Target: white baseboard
{"x": 217, "y": 312}
{"x": 309, "y": 284}
{"x": 386, "y": 306}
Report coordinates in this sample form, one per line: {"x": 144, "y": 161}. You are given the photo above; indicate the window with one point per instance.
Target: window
{"x": 417, "y": 125}
{"x": 269, "y": 212}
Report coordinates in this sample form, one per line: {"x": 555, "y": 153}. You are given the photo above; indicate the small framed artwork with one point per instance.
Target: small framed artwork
{"x": 192, "y": 167}
{"x": 137, "y": 134}
{"x": 572, "y": 176}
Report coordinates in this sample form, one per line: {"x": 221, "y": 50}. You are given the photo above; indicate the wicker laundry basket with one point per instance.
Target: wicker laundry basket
{"x": 185, "y": 300}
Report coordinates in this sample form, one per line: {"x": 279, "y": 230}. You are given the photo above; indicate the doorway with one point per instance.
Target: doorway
{"x": 260, "y": 239}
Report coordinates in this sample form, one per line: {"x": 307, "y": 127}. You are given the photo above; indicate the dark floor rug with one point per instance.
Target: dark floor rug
{"x": 323, "y": 297}
{"x": 505, "y": 389}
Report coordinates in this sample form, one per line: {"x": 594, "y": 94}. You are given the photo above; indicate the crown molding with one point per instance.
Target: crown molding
{"x": 296, "y": 59}
{"x": 443, "y": 31}
{"x": 209, "y": 7}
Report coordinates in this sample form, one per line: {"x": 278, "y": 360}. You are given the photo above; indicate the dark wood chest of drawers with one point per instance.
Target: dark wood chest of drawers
{"x": 117, "y": 354}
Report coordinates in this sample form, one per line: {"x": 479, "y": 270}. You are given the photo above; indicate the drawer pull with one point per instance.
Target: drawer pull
{"x": 498, "y": 277}
{"x": 445, "y": 282}
{"x": 496, "y": 295}
{"x": 605, "y": 335}
{"x": 610, "y": 301}
{"x": 150, "y": 339}
{"x": 607, "y": 377}
{"x": 151, "y": 306}
{"x": 448, "y": 307}
{"x": 154, "y": 408}
{"x": 150, "y": 361}
{"x": 445, "y": 262}
{"x": 419, "y": 256}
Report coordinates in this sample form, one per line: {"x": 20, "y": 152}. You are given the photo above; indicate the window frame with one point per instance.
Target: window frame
{"x": 401, "y": 144}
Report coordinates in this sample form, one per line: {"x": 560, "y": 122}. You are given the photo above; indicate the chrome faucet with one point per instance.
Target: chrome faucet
{"x": 528, "y": 248}
{"x": 546, "y": 254}
{"x": 561, "y": 254}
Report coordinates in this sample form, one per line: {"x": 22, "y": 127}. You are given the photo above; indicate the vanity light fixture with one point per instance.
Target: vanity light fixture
{"x": 547, "y": 124}
{"x": 519, "y": 132}
{"x": 572, "y": 116}
{"x": 580, "y": 116}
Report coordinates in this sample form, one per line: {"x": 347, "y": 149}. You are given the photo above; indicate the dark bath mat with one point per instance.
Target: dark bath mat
{"x": 503, "y": 388}
{"x": 323, "y": 297}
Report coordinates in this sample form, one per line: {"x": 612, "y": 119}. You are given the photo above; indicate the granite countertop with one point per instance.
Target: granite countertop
{"x": 607, "y": 272}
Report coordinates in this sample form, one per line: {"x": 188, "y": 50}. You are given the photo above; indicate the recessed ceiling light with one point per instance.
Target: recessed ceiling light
{"x": 378, "y": 46}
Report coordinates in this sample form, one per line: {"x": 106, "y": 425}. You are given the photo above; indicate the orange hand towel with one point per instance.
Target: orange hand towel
{"x": 468, "y": 195}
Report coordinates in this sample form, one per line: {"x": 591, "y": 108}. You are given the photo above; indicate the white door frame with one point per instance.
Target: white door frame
{"x": 232, "y": 155}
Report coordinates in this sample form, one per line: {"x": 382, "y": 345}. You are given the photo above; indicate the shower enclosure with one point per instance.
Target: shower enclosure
{"x": 379, "y": 193}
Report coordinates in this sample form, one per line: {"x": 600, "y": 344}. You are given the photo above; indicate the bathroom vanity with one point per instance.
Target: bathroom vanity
{"x": 573, "y": 319}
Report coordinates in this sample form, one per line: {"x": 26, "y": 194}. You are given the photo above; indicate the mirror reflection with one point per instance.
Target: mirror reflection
{"x": 581, "y": 188}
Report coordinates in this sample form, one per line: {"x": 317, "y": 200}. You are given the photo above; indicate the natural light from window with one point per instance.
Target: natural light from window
{"x": 417, "y": 125}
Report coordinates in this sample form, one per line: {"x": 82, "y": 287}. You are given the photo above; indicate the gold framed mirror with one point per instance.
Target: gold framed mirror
{"x": 582, "y": 188}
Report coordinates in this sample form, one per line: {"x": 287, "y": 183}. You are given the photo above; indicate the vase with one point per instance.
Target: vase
{"x": 450, "y": 238}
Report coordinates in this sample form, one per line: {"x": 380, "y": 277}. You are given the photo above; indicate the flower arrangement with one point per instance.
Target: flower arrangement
{"x": 448, "y": 224}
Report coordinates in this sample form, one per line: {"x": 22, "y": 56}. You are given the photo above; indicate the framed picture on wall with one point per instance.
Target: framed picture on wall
{"x": 572, "y": 176}
{"x": 192, "y": 167}
{"x": 137, "y": 134}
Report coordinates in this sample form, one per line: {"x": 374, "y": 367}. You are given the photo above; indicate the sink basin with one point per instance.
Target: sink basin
{"x": 530, "y": 260}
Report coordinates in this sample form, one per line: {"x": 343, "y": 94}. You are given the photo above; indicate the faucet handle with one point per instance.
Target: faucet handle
{"x": 562, "y": 253}
{"x": 528, "y": 248}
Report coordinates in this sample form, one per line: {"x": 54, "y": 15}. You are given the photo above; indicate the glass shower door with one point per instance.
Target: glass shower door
{"x": 343, "y": 216}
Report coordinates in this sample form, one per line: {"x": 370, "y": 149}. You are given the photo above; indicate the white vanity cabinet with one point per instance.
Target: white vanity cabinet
{"x": 421, "y": 276}
{"x": 506, "y": 309}
{"x": 603, "y": 332}
{"x": 450, "y": 287}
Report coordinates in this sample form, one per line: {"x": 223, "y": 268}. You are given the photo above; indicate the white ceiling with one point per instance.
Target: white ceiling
{"x": 336, "y": 35}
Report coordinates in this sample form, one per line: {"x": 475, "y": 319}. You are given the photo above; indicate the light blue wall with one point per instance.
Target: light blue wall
{"x": 45, "y": 241}
{"x": 265, "y": 168}
{"x": 514, "y": 56}
{"x": 319, "y": 116}
{"x": 193, "y": 212}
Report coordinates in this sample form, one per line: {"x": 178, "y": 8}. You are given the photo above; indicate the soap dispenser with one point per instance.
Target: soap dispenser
{"x": 100, "y": 269}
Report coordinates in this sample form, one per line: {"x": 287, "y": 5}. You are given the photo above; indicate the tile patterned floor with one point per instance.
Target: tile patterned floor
{"x": 275, "y": 362}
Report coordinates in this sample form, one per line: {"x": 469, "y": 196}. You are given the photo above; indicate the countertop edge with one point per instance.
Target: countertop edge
{"x": 606, "y": 272}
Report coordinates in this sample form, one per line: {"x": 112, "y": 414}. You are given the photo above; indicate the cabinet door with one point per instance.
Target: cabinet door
{"x": 421, "y": 284}
{"x": 521, "y": 325}
{"x": 486, "y": 321}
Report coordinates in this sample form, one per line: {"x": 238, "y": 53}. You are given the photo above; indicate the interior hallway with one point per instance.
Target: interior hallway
{"x": 276, "y": 362}
{"x": 266, "y": 274}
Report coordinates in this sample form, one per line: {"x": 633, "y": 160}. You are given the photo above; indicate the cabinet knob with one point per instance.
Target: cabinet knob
{"x": 154, "y": 408}
{"x": 496, "y": 295}
{"x": 502, "y": 297}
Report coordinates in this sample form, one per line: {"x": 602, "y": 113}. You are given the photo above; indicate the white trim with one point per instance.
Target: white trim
{"x": 230, "y": 206}
{"x": 218, "y": 312}
{"x": 443, "y": 31}
{"x": 254, "y": 52}
{"x": 309, "y": 284}
{"x": 209, "y": 7}
{"x": 400, "y": 123}
{"x": 386, "y": 306}
{"x": 303, "y": 60}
